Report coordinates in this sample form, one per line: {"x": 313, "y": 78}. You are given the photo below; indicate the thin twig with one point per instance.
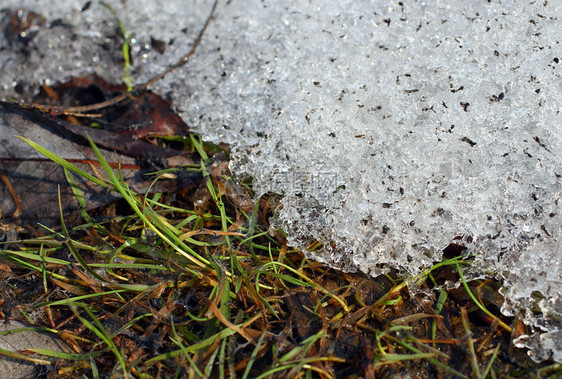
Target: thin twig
{"x": 14, "y": 195}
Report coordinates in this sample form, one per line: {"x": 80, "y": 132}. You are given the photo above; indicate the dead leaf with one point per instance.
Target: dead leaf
{"x": 18, "y": 342}
{"x": 35, "y": 179}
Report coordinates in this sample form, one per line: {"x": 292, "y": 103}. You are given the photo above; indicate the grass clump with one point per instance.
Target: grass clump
{"x": 195, "y": 285}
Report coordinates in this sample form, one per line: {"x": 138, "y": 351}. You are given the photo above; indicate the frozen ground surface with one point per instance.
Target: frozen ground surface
{"x": 393, "y": 130}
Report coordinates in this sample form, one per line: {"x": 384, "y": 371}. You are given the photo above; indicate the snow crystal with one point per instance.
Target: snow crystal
{"x": 392, "y": 129}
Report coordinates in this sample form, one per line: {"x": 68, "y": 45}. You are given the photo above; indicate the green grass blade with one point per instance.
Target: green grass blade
{"x": 97, "y": 328}
{"x": 193, "y": 348}
{"x": 490, "y": 363}
{"x": 79, "y": 195}
{"x": 78, "y": 298}
{"x": 477, "y": 302}
{"x": 64, "y": 163}
{"x": 253, "y": 357}
{"x": 160, "y": 228}
{"x": 13, "y": 354}
{"x": 71, "y": 247}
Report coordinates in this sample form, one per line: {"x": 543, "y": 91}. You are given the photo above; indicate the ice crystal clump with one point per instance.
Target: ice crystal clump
{"x": 50, "y": 42}
{"x": 393, "y": 130}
